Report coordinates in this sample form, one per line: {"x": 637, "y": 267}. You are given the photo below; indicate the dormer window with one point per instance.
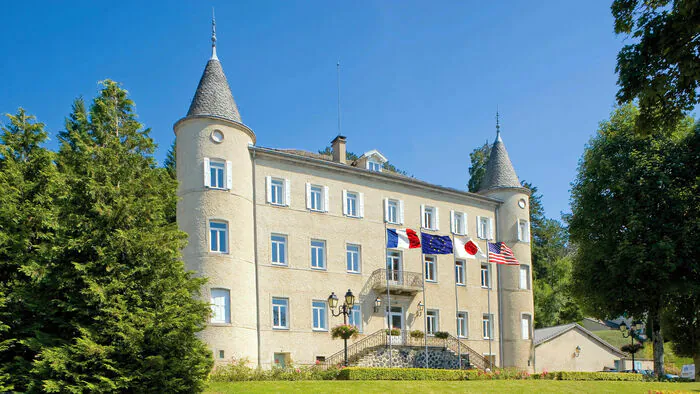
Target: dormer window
{"x": 374, "y": 166}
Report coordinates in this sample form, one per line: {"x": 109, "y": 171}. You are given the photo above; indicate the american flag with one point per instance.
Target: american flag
{"x": 499, "y": 253}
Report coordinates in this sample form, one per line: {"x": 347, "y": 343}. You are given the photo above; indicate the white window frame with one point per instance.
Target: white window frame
{"x": 460, "y": 274}
{"x": 277, "y": 197}
{"x": 314, "y": 249}
{"x": 374, "y": 165}
{"x": 359, "y": 204}
{"x": 523, "y": 230}
{"x": 358, "y": 258}
{"x": 355, "y": 317}
{"x": 524, "y": 277}
{"x": 487, "y": 273}
{"x": 217, "y": 174}
{"x": 486, "y": 318}
{"x": 484, "y": 227}
{"x": 458, "y": 222}
{"x": 462, "y": 324}
{"x": 319, "y": 204}
{"x": 430, "y": 219}
{"x": 526, "y": 326}
{"x": 217, "y": 236}
{"x": 218, "y": 308}
{"x": 434, "y": 326}
{"x": 274, "y": 244}
{"x": 395, "y": 205}
{"x": 227, "y": 174}
{"x": 430, "y": 261}
{"x": 319, "y": 307}
{"x": 277, "y": 311}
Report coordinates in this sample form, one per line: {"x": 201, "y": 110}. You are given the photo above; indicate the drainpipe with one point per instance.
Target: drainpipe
{"x": 500, "y": 300}
{"x": 257, "y": 276}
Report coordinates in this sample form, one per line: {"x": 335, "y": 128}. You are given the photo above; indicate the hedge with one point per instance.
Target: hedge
{"x": 357, "y": 373}
{"x": 566, "y": 375}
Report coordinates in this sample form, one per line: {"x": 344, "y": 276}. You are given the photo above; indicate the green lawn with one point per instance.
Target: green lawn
{"x": 425, "y": 387}
{"x": 614, "y": 338}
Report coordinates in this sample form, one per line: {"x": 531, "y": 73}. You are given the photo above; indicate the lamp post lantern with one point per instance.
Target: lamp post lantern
{"x": 344, "y": 310}
{"x": 629, "y": 333}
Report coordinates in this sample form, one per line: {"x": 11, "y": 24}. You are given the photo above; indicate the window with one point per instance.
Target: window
{"x": 487, "y": 325}
{"x": 462, "y": 324}
{"x": 353, "y": 258}
{"x": 353, "y": 204}
{"x": 321, "y": 359}
{"x": 525, "y": 277}
{"x": 217, "y": 173}
{"x": 490, "y": 358}
{"x": 316, "y": 198}
{"x": 484, "y": 227}
{"x": 429, "y": 217}
{"x": 525, "y": 325}
{"x": 374, "y": 166}
{"x": 523, "y": 230}
{"x": 318, "y": 254}
{"x": 220, "y": 306}
{"x": 318, "y": 311}
{"x": 355, "y": 317}
{"x": 459, "y": 272}
{"x": 430, "y": 269}
{"x": 459, "y": 222}
{"x": 393, "y": 211}
{"x": 221, "y": 354}
{"x": 432, "y": 322}
{"x": 218, "y": 236}
{"x": 277, "y": 191}
{"x": 280, "y": 313}
{"x": 279, "y": 249}
{"x": 485, "y": 276}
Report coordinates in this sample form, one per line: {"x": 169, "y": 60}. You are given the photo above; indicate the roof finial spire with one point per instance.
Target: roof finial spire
{"x": 213, "y": 35}
{"x": 498, "y": 126}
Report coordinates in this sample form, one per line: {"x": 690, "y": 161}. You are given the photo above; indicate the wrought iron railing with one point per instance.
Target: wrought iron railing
{"x": 470, "y": 357}
{"x": 380, "y": 277}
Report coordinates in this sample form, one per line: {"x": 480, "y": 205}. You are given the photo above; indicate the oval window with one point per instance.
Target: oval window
{"x": 217, "y": 136}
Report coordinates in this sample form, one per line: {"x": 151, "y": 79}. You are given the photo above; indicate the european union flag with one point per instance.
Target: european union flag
{"x": 436, "y": 244}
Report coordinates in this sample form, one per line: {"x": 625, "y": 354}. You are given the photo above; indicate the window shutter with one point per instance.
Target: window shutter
{"x": 464, "y": 223}
{"x": 386, "y": 210}
{"x": 268, "y": 187}
{"x": 362, "y": 204}
{"x": 422, "y": 215}
{"x": 207, "y": 173}
{"x": 345, "y": 202}
{"x": 325, "y": 198}
{"x": 229, "y": 175}
{"x": 437, "y": 219}
{"x": 520, "y": 233}
{"x": 401, "y": 211}
{"x": 287, "y": 192}
{"x": 479, "y": 230}
{"x": 308, "y": 195}
{"x": 490, "y": 228}
{"x": 452, "y": 222}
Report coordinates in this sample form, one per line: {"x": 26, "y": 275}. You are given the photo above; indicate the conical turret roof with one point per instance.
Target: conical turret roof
{"x": 499, "y": 170}
{"x": 213, "y": 96}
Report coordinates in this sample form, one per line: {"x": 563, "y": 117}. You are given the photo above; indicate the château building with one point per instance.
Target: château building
{"x": 275, "y": 231}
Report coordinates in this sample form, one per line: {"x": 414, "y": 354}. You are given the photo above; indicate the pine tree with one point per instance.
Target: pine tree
{"x": 119, "y": 287}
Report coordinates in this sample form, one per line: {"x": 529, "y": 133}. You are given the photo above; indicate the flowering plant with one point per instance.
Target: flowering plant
{"x": 344, "y": 331}
{"x": 395, "y": 332}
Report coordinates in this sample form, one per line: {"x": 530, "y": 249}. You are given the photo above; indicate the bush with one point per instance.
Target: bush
{"x": 354, "y": 373}
{"x": 239, "y": 370}
{"x": 417, "y": 334}
{"x": 442, "y": 334}
{"x": 610, "y": 376}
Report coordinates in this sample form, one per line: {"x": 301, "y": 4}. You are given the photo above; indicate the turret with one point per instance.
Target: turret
{"x": 215, "y": 209}
{"x": 516, "y": 314}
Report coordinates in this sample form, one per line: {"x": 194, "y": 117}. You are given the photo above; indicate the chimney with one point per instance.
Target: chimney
{"x": 338, "y": 148}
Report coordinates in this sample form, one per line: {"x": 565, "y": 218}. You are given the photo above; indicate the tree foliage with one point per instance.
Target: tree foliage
{"x": 661, "y": 66}
{"x": 105, "y": 302}
{"x": 634, "y": 222}
{"x": 328, "y": 151}
{"x": 479, "y": 157}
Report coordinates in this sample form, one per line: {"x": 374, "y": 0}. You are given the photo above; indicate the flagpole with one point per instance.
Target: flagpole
{"x": 425, "y": 306}
{"x": 388, "y": 294}
{"x": 459, "y": 344}
{"x": 490, "y": 326}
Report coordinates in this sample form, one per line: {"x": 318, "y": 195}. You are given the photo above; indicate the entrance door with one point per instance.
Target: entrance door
{"x": 393, "y": 266}
{"x": 395, "y": 321}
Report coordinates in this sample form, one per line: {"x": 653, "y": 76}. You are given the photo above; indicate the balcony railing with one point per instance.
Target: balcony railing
{"x": 398, "y": 281}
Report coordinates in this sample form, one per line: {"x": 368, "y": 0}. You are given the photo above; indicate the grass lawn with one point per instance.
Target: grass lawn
{"x": 425, "y": 387}
{"x": 614, "y": 338}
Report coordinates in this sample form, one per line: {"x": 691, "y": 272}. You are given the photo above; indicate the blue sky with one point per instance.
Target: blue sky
{"x": 420, "y": 80}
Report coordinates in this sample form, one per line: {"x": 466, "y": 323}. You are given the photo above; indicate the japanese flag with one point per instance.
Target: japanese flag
{"x": 466, "y": 248}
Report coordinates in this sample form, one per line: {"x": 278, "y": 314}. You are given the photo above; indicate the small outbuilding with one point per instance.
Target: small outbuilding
{"x": 570, "y": 347}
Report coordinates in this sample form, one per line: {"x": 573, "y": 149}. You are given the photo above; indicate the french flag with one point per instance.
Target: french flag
{"x": 402, "y": 239}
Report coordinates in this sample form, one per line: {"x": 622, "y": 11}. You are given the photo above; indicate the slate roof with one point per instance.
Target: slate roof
{"x": 499, "y": 170}
{"x": 213, "y": 96}
{"x": 545, "y": 334}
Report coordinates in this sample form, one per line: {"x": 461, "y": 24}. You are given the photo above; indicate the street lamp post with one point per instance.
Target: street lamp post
{"x": 629, "y": 333}
{"x": 344, "y": 310}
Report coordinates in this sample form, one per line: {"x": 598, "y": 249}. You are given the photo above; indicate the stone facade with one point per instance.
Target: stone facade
{"x": 412, "y": 357}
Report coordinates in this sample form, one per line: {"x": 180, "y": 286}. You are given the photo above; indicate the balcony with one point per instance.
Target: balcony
{"x": 399, "y": 282}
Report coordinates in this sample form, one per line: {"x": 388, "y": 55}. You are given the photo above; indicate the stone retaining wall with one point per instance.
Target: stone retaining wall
{"x": 412, "y": 357}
